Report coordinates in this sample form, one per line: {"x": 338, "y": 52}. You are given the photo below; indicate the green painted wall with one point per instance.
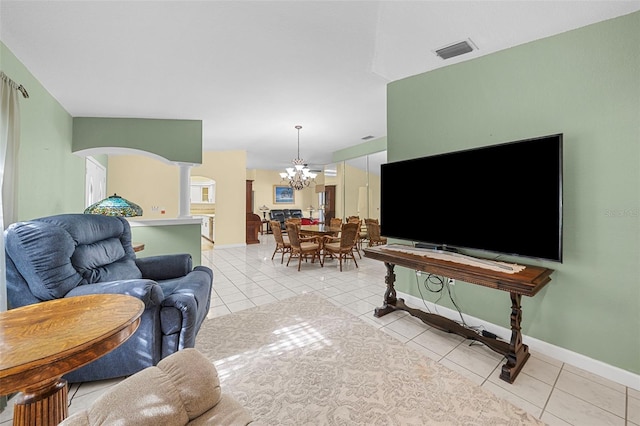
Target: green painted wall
{"x": 160, "y": 240}
{"x": 175, "y": 140}
{"x": 50, "y": 177}
{"x": 102, "y": 159}
{"x": 586, "y": 84}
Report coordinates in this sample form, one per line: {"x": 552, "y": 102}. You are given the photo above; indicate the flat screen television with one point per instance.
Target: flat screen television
{"x": 504, "y": 198}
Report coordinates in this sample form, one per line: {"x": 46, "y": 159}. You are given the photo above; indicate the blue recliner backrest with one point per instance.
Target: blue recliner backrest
{"x": 50, "y": 256}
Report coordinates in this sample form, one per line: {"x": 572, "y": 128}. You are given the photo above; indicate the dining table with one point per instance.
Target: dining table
{"x": 320, "y": 230}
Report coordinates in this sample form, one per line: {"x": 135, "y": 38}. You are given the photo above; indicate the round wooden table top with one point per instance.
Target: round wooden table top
{"x": 41, "y": 342}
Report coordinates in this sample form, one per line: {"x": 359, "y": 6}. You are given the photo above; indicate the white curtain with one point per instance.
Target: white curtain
{"x": 9, "y": 143}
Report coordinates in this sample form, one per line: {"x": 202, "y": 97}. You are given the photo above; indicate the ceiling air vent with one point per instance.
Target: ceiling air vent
{"x": 456, "y": 49}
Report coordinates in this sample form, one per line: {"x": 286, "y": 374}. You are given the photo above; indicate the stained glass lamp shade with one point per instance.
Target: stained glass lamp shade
{"x": 114, "y": 206}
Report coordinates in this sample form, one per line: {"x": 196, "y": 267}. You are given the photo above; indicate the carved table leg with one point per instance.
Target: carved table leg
{"x": 43, "y": 406}
{"x": 389, "y": 294}
{"x": 518, "y": 352}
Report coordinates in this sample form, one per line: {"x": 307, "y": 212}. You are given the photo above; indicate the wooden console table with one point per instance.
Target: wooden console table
{"x": 42, "y": 342}
{"x": 526, "y": 282}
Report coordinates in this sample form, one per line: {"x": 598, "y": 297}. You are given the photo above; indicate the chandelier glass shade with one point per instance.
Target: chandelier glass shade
{"x": 299, "y": 176}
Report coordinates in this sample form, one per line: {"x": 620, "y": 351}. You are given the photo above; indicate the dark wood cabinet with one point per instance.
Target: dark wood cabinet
{"x": 253, "y": 222}
{"x": 329, "y": 203}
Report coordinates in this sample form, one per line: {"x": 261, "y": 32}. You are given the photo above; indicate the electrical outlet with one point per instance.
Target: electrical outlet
{"x": 452, "y": 281}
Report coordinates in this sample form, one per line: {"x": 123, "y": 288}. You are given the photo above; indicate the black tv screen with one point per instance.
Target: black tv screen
{"x": 504, "y": 198}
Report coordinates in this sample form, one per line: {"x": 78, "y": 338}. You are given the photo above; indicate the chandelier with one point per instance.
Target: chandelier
{"x": 298, "y": 176}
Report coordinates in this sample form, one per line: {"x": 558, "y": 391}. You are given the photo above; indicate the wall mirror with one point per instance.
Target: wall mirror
{"x": 357, "y": 185}
{"x": 328, "y": 198}
{"x": 376, "y": 161}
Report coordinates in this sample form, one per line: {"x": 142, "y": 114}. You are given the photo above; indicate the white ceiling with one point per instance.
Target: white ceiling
{"x": 252, "y": 70}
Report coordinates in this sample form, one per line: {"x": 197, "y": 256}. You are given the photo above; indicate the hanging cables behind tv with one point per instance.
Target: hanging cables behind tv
{"x": 477, "y": 329}
{"x": 436, "y": 284}
{"x": 428, "y": 283}
{"x": 455, "y": 304}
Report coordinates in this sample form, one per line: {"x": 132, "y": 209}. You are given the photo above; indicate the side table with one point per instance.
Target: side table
{"x": 268, "y": 223}
{"x": 42, "y": 342}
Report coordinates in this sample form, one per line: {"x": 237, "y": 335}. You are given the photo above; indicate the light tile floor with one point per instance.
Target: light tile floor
{"x": 555, "y": 392}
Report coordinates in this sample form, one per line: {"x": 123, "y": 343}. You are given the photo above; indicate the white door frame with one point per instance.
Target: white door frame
{"x": 95, "y": 181}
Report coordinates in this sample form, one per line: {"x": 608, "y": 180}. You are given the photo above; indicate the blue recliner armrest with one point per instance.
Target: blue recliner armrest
{"x": 146, "y": 343}
{"x": 185, "y": 306}
{"x": 146, "y": 290}
{"x": 165, "y": 267}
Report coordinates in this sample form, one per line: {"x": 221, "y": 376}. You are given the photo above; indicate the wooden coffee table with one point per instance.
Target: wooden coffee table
{"x": 42, "y": 342}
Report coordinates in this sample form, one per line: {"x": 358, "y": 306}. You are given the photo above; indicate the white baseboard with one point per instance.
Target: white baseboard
{"x": 228, "y": 246}
{"x": 591, "y": 365}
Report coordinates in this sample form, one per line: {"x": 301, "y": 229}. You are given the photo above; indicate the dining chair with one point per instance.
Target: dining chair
{"x": 295, "y": 220}
{"x": 342, "y": 247}
{"x": 282, "y": 241}
{"x": 373, "y": 229}
{"x": 303, "y": 247}
{"x": 363, "y": 235}
{"x": 335, "y": 222}
{"x": 358, "y": 243}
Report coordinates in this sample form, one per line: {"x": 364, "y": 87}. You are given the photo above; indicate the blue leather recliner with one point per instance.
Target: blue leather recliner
{"x": 77, "y": 254}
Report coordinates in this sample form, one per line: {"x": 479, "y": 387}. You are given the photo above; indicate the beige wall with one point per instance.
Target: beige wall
{"x": 228, "y": 169}
{"x": 151, "y": 183}
{"x": 263, "y": 183}
{"x": 146, "y": 182}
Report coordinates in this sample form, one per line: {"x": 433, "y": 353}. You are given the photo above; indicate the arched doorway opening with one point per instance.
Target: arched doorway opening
{"x": 203, "y": 204}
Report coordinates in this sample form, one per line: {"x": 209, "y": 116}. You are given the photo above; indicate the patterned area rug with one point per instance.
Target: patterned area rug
{"x": 304, "y": 361}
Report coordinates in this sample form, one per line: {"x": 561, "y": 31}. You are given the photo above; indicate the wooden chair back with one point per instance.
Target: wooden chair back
{"x": 302, "y": 247}
{"x": 282, "y": 242}
{"x": 294, "y": 220}
{"x": 277, "y": 231}
{"x": 349, "y": 234}
{"x": 293, "y": 232}
{"x": 373, "y": 228}
{"x": 343, "y": 249}
{"x": 335, "y": 222}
